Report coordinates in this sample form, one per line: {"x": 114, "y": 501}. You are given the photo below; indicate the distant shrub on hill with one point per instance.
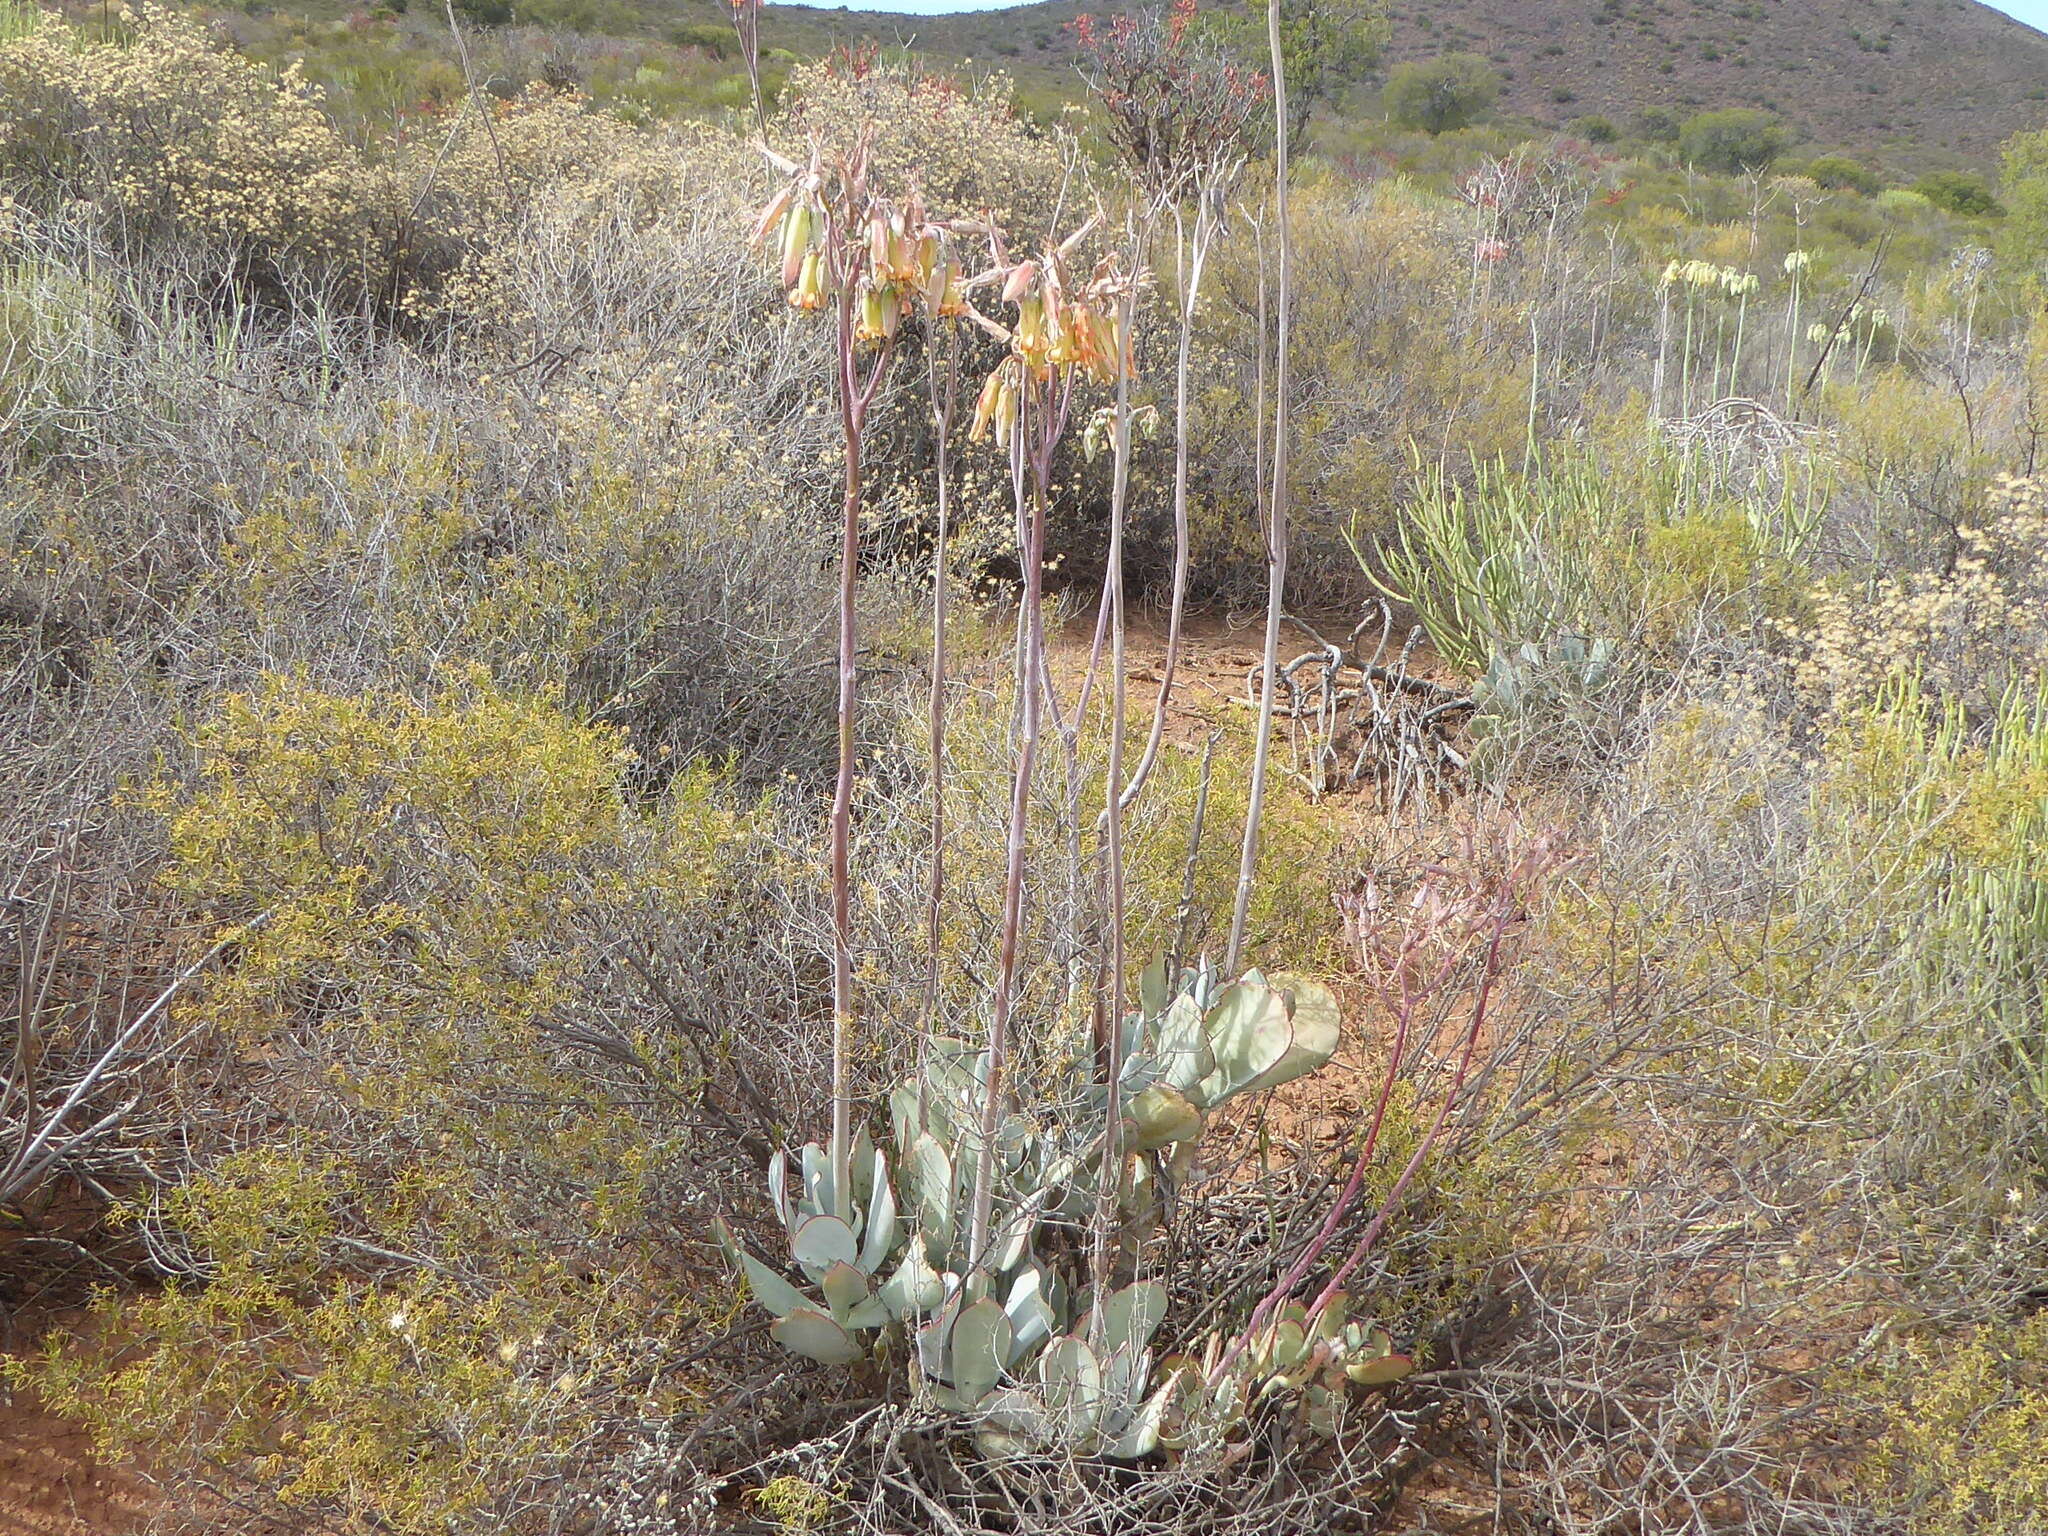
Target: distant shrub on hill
{"x": 1732, "y": 140}
{"x": 1440, "y": 95}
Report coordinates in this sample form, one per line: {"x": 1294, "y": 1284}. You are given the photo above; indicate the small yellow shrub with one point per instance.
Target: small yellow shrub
{"x": 411, "y": 1280}
{"x": 1965, "y": 1444}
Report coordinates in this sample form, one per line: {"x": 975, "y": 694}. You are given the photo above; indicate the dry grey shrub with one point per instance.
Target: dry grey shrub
{"x": 1802, "y": 1138}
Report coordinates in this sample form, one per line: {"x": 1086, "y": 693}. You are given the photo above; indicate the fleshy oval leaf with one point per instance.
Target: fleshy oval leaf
{"x": 775, "y": 1294}
{"x": 820, "y": 1242}
{"x": 845, "y": 1288}
{"x": 1381, "y": 1371}
{"x": 1163, "y": 1115}
{"x": 816, "y": 1337}
{"x": 1133, "y": 1315}
{"x": 980, "y": 1347}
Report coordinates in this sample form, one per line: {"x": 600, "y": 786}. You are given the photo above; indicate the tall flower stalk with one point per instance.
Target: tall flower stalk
{"x": 1276, "y": 509}
{"x": 942, "y": 383}
{"x": 1796, "y": 264}
{"x": 746, "y": 25}
{"x": 1179, "y": 114}
{"x": 871, "y": 261}
{"x": 1061, "y": 332}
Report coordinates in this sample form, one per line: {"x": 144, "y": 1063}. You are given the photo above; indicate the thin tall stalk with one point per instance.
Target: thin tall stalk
{"x": 835, "y": 259}
{"x": 1663, "y": 349}
{"x": 843, "y": 1020}
{"x": 1028, "y": 399}
{"x": 1030, "y": 510}
{"x": 1110, "y": 1186}
{"x": 1194, "y": 254}
{"x": 1276, "y": 516}
{"x": 945, "y": 397}
{"x": 746, "y": 23}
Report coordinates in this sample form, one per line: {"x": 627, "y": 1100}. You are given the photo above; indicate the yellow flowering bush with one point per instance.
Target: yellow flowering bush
{"x": 168, "y": 133}
{"x": 1970, "y": 631}
{"x": 400, "y": 1292}
{"x": 964, "y": 145}
{"x": 1964, "y": 1450}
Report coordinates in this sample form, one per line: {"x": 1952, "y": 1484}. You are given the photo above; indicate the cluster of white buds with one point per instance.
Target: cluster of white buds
{"x": 1797, "y": 261}
{"x": 1706, "y": 277}
{"x": 1860, "y": 316}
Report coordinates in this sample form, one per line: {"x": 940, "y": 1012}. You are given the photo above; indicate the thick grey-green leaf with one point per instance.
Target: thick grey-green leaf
{"x": 778, "y": 1184}
{"x": 1154, "y": 988}
{"x": 819, "y": 1242}
{"x": 1070, "y": 1377}
{"x": 1317, "y": 1027}
{"x": 1249, "y": 1034}
{"x": 880, "y": 1236}
{"x": 1029, "y": 1311}
{"x": 1140, "y": 1437}
{"x": 1162, "y": 1116}
{"x": 1182, "y": 1047}
{"x": 1133, "y": 1315}
{"x": 845, "y": 1288}
{"x": 774, "y": 1293}
{"x": 815, "y": 1336}
{"x": 915, "y": 1287}
{"x": 928, "y": 1176}
{"x": 980, "y": 1348}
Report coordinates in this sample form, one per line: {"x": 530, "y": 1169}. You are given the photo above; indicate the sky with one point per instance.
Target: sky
{"x": 2032, "y": 12}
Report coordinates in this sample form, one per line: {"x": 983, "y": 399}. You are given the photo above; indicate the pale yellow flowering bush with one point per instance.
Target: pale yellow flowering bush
{"x": 1970, "y": 631}
{"x": 171, "y": 138}
{"x": 966, "y": 148}
{"x": 467, "y": 194}
{"x": 166, "y": 132}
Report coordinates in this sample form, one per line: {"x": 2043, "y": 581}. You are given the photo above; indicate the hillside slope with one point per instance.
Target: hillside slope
{"x": 1913, "y": 82}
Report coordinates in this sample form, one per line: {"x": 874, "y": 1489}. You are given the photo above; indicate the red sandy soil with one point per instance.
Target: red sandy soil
{"x": 51, "y": 1484}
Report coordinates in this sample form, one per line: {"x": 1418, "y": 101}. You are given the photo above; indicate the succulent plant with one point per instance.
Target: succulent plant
{"x": 1313, "y": 1359}
{"x": 995, "y": 1335}
{"x": 1194, "y": 1043}
{"x": 1088, "y": 1393}
{"x": 1533, "y": 675}
{"x": 842, "y": 1257}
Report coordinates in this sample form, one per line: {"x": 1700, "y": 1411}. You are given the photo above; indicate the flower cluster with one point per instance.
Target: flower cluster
{"x": 1861, "y": 317}
{"x": 1968, "y": 632}
{"x": 1060, "y": 326}
{"x": 890, "y": 260}
{"x": 1705, "y": 277}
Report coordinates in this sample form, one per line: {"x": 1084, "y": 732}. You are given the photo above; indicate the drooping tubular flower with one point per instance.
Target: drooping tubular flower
{"x": 1061, "y": 325}
{"x": 881, "y": 311}
{"x": 1020, "y": 281}
{"x": 997, "y": 405}
{"x": 943, "y": 293}
{"x": 1030, "y": 338}
{"x": 808, "y": 292}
